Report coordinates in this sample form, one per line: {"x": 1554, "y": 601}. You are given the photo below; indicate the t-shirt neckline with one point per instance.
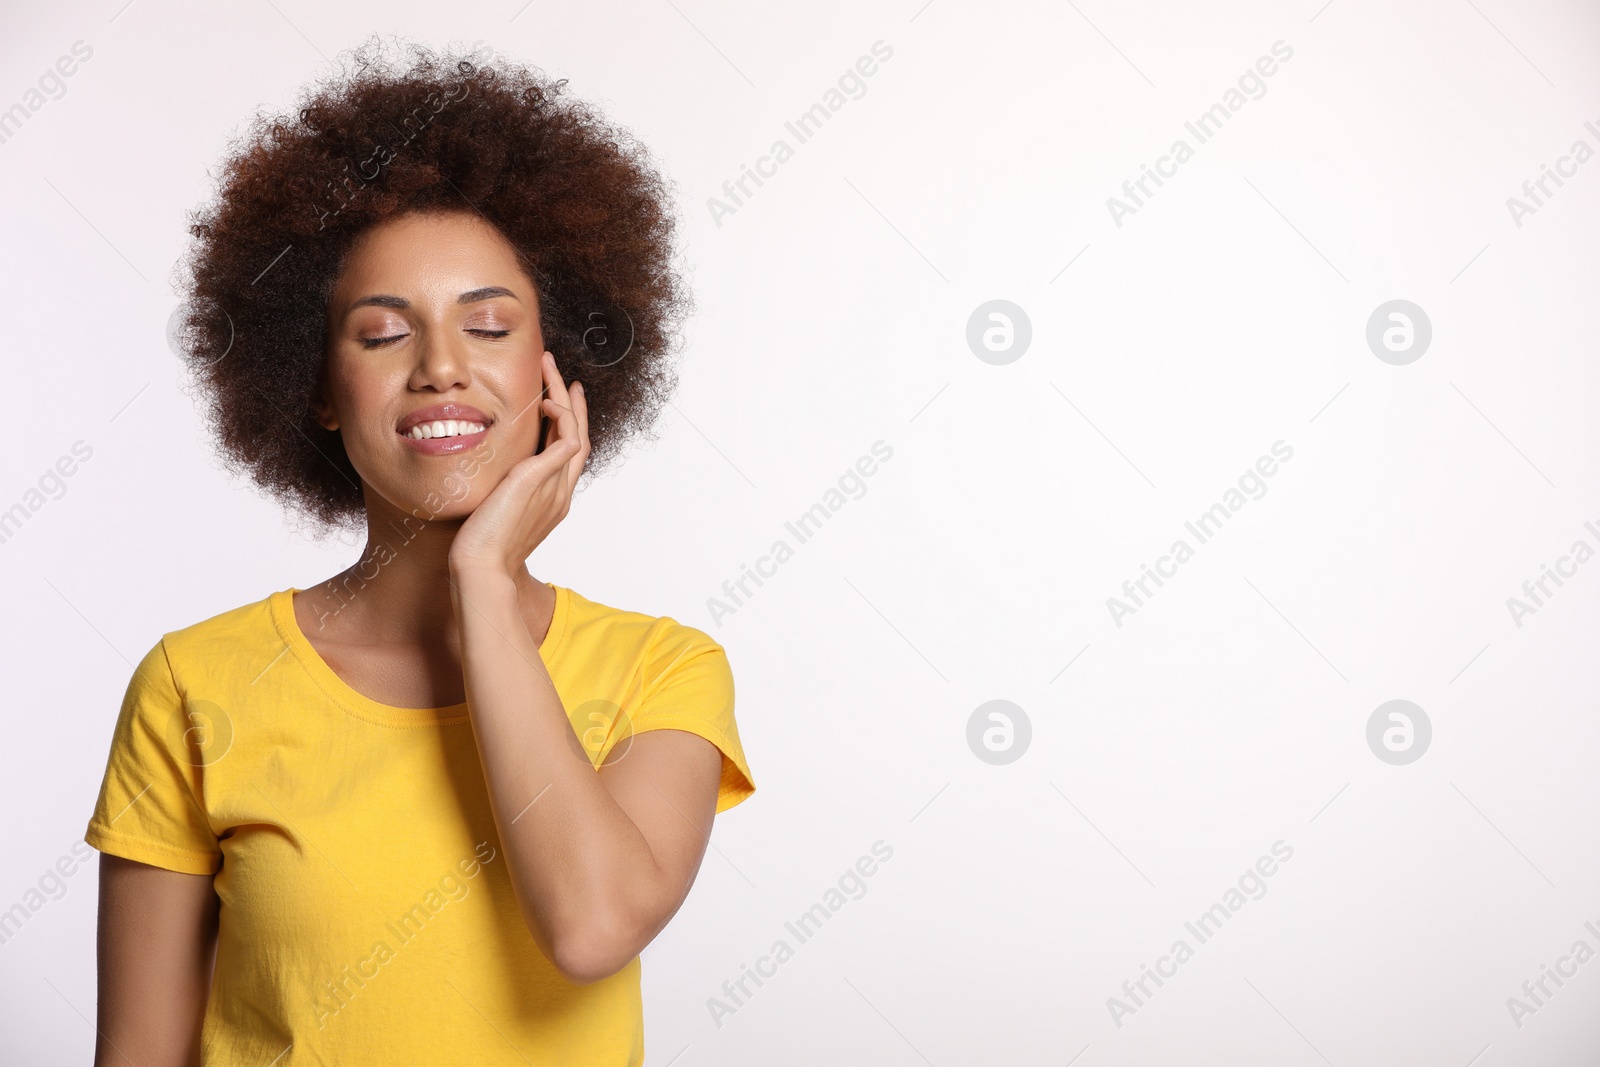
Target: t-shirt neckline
{"x": 361, "y": 706}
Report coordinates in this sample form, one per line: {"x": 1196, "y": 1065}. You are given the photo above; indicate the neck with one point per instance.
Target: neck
{"x": 399, "y": 588}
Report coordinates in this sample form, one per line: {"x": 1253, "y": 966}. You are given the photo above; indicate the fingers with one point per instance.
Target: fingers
{"x": 569, "y": 414}
{"x": 580, "y": 410}
{"x": 580, "y": 406}
{"x": 558, "y": 400}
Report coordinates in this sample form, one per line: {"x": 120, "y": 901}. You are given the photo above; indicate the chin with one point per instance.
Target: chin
{"x": 441, "y": 500}
{"x": 442, "y": 506}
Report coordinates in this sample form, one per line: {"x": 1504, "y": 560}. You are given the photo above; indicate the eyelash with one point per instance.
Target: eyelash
{"x": 376, "y": 342}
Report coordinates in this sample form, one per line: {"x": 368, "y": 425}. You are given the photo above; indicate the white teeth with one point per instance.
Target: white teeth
{"x": 423, "y": 431}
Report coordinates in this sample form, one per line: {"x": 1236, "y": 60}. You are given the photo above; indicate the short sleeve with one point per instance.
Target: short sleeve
{"x": 147, "y": 809}
{"x": 688, "y": 685}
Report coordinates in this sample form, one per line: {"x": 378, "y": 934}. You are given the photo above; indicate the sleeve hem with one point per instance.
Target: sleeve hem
{"x": 155, "y": 853}
{"x": 734, "y": 787}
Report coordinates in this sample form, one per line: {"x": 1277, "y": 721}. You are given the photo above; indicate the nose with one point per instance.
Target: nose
{"x": 442, "y": 362}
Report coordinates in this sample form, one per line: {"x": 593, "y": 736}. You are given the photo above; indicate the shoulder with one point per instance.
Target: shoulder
{"x": 242, "y": 639}
{"x": 675, "y": 676}
{"x": 655, "y": 653}
{"x": 590, "y": 621}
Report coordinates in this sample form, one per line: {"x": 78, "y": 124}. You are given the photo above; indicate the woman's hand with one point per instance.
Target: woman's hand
{"x": 536, "y": 493}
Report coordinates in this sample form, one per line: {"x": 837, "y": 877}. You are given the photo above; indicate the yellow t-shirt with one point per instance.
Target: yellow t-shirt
{"x": 367, "y": 915}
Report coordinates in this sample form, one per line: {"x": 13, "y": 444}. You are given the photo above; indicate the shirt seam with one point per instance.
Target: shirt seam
{"x": 660, "y": 628}
{"x": 182, "y": 693}
{"x": 102, "y": 830}
{"x": 559, "y": 619}
{"x": 339, "y": 699}
{"x": 562, "y": 618}
{"x": 677, "y": 720}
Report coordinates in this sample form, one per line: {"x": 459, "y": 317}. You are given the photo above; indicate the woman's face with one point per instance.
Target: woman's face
{"x": 433, "y": 323}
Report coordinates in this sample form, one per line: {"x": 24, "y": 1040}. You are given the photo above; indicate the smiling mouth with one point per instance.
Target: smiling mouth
{"x": 427, "y": 431}
{"x": 443, "y": 421}
{"x": 444, "y": 429}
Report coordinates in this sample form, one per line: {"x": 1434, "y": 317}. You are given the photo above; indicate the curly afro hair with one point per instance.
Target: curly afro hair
{"x": 579, "y": 199}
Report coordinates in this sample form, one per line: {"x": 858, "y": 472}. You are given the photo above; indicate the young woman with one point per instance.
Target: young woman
{"x": 430, "y": 810}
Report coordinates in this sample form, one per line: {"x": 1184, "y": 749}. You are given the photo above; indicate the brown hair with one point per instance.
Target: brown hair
{"x": 579, "y": 199}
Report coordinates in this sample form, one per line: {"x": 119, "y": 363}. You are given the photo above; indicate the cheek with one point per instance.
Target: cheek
{"x": 365, "y": 400}
{"x": 522, "y": 389}
{"x": 522, "y": 382}
{"x": 366, "y": 425}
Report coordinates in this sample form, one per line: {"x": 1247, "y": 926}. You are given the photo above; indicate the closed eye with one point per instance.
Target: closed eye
{"x": 377, "y": 342}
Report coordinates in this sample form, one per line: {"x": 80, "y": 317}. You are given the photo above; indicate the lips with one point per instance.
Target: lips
{"x": 441, "y": 412}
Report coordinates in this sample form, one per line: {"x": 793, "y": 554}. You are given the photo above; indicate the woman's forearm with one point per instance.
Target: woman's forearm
{"x": 588, "y": 885}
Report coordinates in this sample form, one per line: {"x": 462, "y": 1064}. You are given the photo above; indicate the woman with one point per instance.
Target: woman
{"x": 430, "y": 810}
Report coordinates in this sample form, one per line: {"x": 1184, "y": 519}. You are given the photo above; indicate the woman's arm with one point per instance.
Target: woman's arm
{"x": 157, "y": 941}
{"x": 600, "y": 862}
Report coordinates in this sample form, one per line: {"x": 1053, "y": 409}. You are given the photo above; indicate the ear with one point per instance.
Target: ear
{"x": 322, "y": 409}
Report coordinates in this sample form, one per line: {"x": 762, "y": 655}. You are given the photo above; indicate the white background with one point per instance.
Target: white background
{"x": 1228, "y": 313}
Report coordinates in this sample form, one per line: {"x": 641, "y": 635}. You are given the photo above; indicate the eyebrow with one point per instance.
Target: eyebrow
{"x": 472, "y": 296}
